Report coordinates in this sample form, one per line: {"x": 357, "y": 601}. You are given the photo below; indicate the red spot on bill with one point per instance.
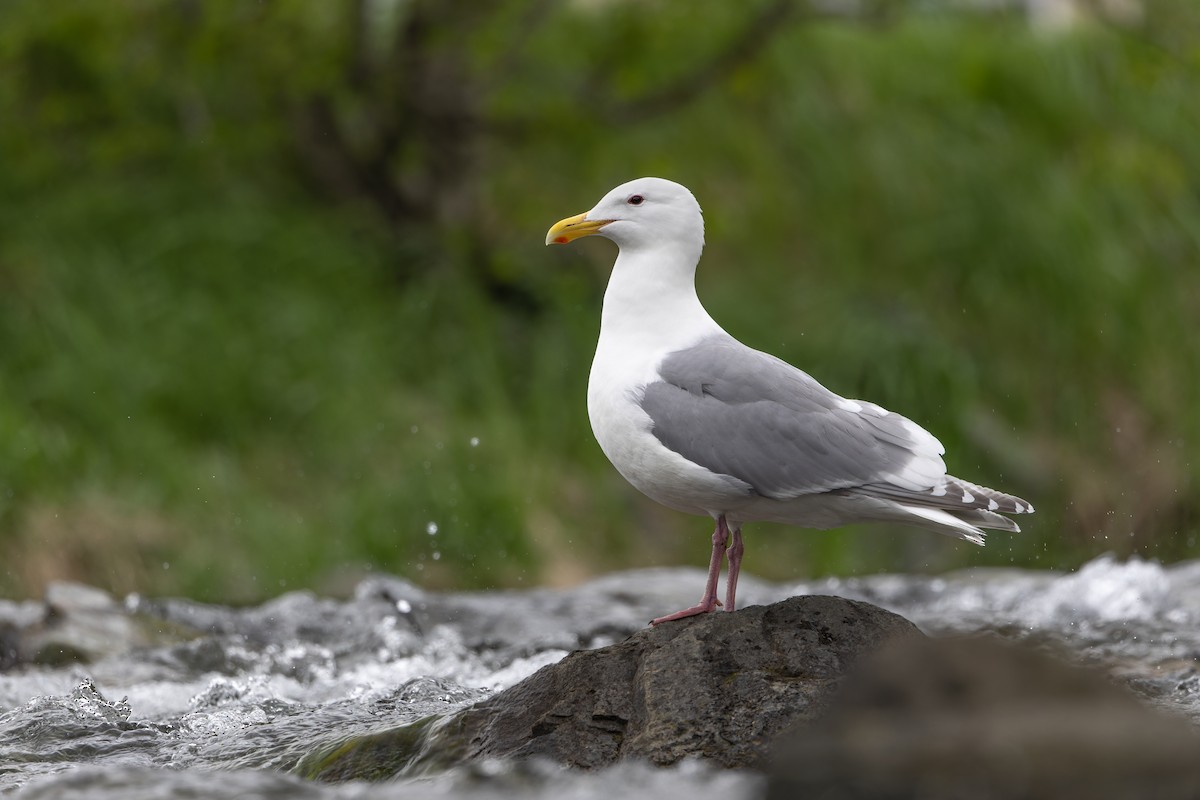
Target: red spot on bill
{"x": 561, "y": 240}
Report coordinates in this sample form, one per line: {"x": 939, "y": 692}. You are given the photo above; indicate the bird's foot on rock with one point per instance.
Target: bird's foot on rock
{"x": 703, "y": 607}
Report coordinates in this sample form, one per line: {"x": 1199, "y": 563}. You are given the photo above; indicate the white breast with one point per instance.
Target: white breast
{"x": 634, "y": 339}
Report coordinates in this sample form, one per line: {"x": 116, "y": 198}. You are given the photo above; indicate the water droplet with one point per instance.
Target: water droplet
{"x": 437, "y": 556}
{"x": 431, "y": 528}
{"x": 474, "y": 441}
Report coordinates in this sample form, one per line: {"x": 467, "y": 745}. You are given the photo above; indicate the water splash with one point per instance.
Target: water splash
{"x": 249, "y": 692}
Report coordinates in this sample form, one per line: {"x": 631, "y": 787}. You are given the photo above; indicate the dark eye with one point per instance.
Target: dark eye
{"x": 636, "y": 200}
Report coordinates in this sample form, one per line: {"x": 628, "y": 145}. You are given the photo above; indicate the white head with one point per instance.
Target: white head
{"x": 643, "y": 214}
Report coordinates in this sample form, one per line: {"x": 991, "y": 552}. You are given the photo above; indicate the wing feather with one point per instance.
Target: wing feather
{"x": 740, "y": 412}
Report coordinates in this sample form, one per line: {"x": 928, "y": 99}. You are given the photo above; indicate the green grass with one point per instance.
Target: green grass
{"x": 212, "y": 382}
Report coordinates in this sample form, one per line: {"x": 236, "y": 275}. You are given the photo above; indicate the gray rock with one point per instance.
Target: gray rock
{"x": 980, "y": 719}
{"x": 718, "y": 686}
{"x": 10, "y": 643}
{"x": 81, "y": 623}
{"x": 76, "y": 624}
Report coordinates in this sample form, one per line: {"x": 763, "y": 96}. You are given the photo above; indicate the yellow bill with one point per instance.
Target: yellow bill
{"x": 572, "y": 228}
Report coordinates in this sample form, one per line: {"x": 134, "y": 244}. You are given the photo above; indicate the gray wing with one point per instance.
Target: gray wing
{"x": 737, "y": 411}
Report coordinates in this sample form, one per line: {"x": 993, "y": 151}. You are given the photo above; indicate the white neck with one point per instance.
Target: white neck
{"x": 651, "y": 302}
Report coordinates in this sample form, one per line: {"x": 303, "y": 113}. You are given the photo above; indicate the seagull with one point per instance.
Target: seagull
{"x": 703, "y": 424}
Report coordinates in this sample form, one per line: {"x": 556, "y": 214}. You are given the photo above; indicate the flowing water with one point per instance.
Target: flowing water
{"x": 232, "y": 711}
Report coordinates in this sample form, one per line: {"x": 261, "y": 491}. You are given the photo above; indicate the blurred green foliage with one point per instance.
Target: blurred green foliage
{"x": 274, "y": 307}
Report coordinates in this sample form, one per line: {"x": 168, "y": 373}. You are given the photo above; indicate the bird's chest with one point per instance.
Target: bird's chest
{"x": 625, "y": 433}
{"x": 621, "y": 427}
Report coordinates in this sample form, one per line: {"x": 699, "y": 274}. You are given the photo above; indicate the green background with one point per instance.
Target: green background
{"x": 275, "y": 309}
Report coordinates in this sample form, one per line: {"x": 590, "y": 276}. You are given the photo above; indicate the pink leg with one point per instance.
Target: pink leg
{"x": 735, "y": 566}
{"x": 709, "y": 601}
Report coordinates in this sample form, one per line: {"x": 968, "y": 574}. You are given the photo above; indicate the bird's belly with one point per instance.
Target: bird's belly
{"x": 623, "y": 431}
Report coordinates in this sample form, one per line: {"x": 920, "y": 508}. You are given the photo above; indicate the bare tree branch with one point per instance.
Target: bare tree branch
{"x": 342, "y": 171}
{"x": 407, "y": 130}
{"x": 359, "y": 69}
{"x": 683, "y": 90}
{"x": 531, "y": 19}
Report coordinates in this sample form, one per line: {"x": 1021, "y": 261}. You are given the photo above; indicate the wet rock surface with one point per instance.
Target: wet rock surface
{"x": 719, "y": 687}
{"x": 982, "y": 719}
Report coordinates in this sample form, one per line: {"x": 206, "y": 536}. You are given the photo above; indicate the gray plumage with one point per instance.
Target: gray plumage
{"x": 746, "y": 414}
{"x": 740, "y": 412}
